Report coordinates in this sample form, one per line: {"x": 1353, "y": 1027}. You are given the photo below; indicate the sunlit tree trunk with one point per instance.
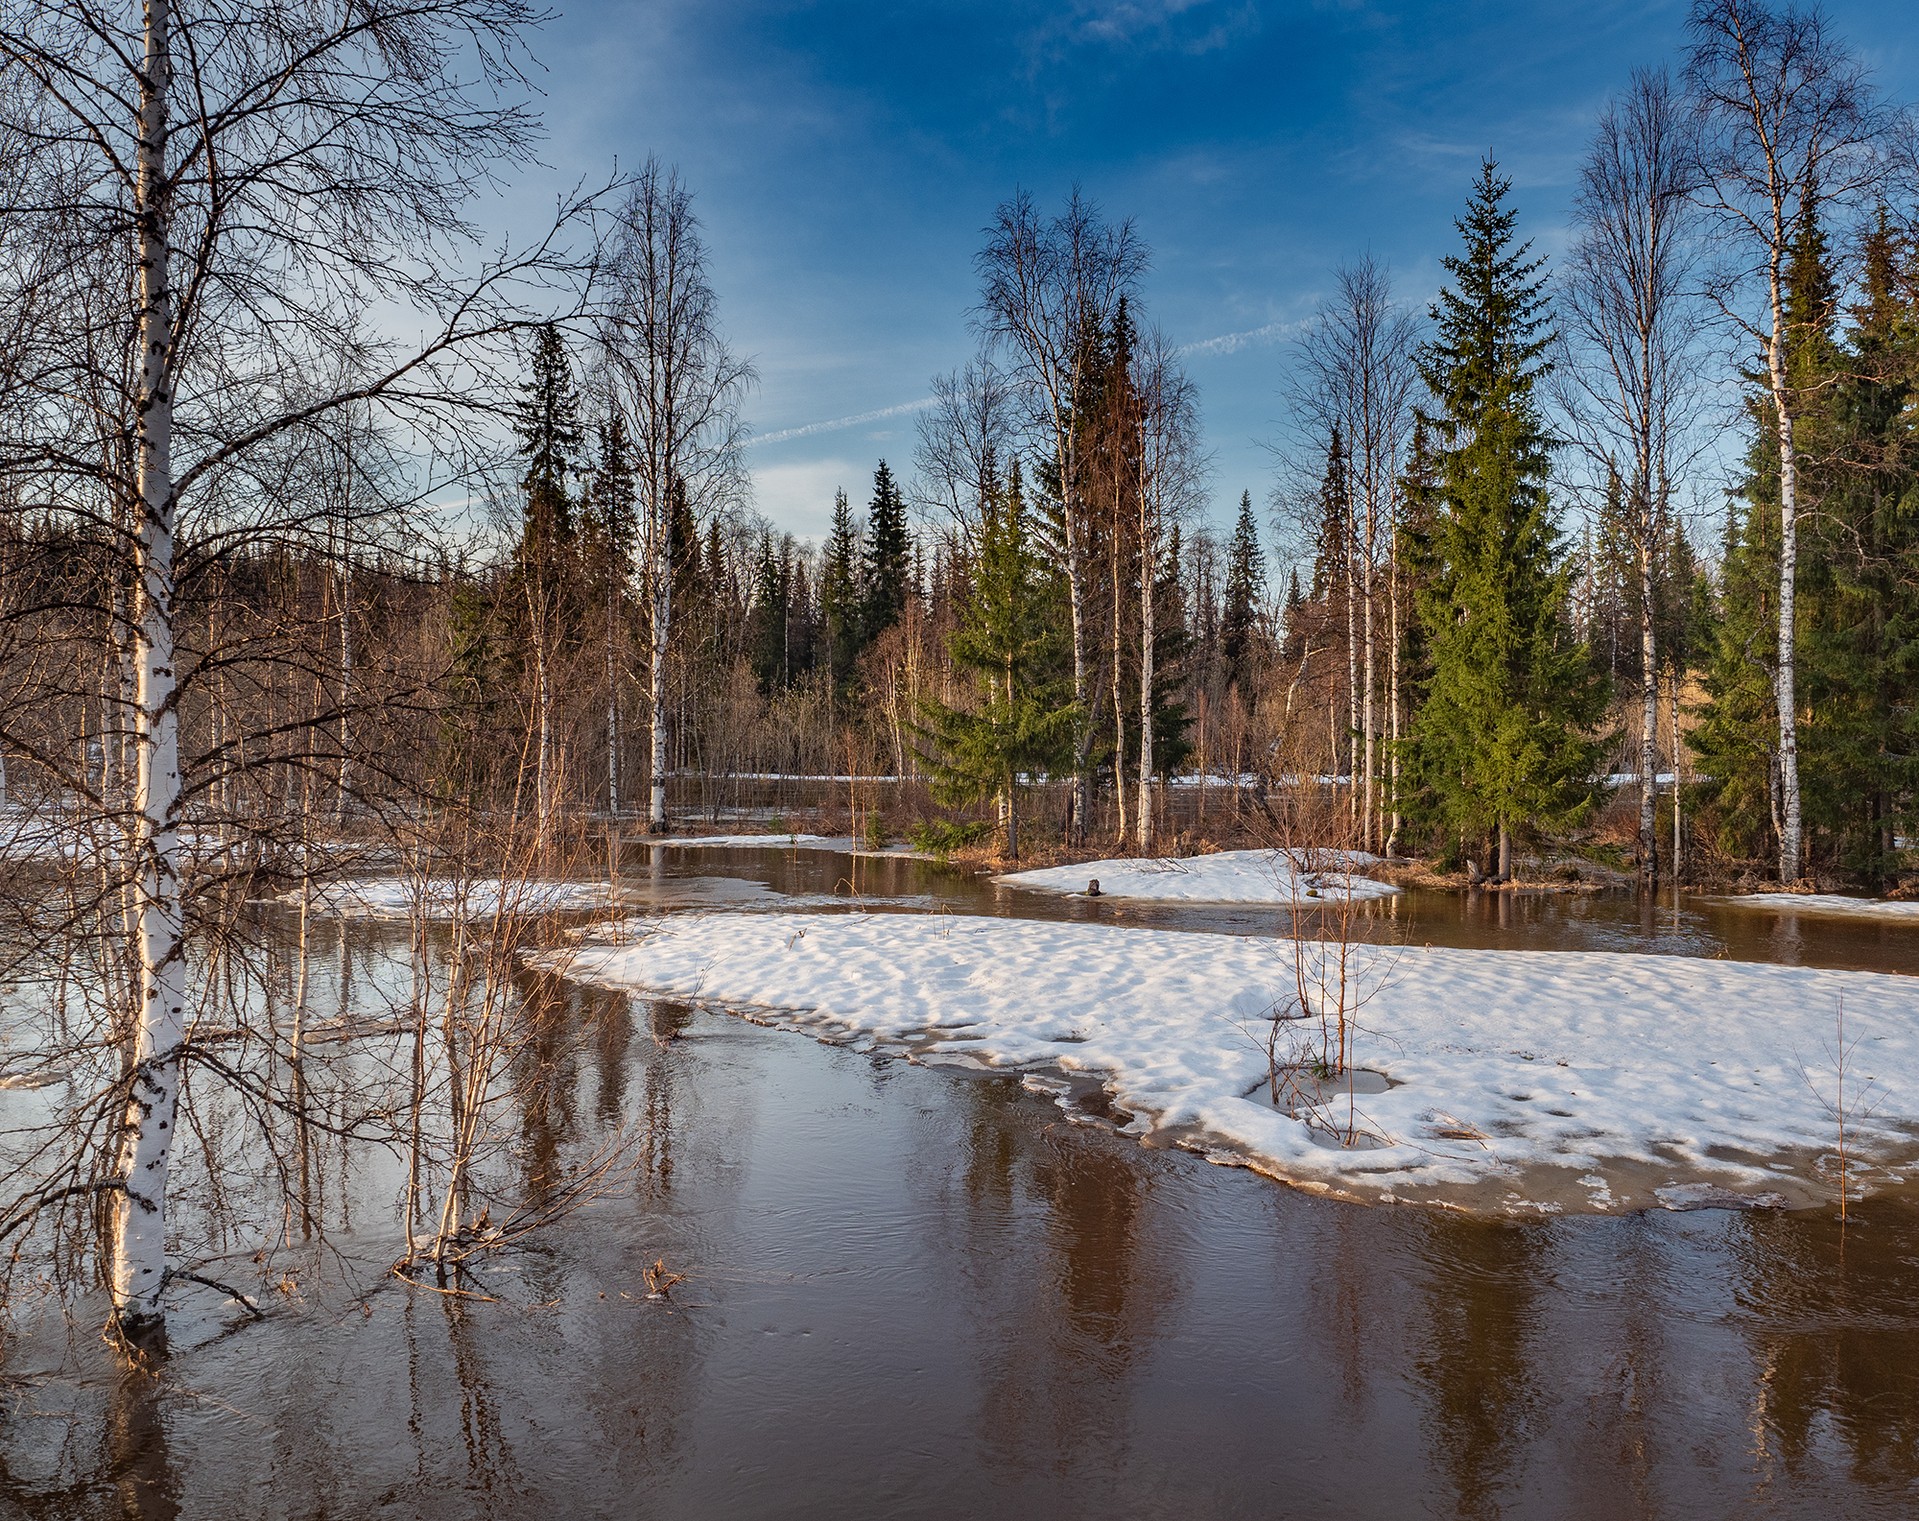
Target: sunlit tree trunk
{"x": 139, "y": 1268}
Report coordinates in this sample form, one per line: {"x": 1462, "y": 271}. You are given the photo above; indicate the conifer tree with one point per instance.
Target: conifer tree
{"x": 840, "y": 595}
{"x": 610, "y": 519}
{"x": 548, "y": 424}
{"x": 1333, "y": 544}
{"x": 889, "y": 558}
{"x": 771, "y": 614}
{"x": 1008, "y": 636}
{"x": 1502, "y": 739}
{"x": 1245, "y": 585}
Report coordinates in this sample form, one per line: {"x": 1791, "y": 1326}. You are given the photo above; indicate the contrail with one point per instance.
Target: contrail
{"x": 806, "y": 430}
{"x": 1226, "y": 343}
{"x": 1232, "y": 343}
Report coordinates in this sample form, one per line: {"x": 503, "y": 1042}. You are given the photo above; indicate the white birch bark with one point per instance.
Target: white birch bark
{"x": 138, "y": 1270}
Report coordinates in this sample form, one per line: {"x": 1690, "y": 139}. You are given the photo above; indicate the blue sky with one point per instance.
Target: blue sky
{"x": 845, "y": 157}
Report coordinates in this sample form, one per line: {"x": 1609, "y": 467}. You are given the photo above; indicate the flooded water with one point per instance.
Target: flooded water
{"x": 918, "y": 1292}
{"x": 1696, "y": 925}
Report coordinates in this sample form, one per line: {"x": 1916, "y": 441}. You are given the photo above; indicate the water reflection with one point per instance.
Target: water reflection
{"x": 1481, "y": 1280}
{"x": 916, "y": 1292}
{"x": 1668, "y": 925}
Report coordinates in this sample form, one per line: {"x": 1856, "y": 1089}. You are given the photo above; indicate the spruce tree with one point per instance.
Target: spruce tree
{"x": 1245, "y": 585}
{"x": 547, "y": 421}
{"x": 840, "y": 594}
{"x": 1333, "y": 543}
{"x": 1856, "y": 620}
{"x": 889, "y": 558}
{"x": 1009, "y": 636}
{"x": 771, "y": 614}
{"x": 1502, "y": 740}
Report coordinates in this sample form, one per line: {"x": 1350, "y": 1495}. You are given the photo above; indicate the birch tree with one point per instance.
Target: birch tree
{"x": 1787, "y": 121}
{"x": 681, "y": 388}
{"x": 1049, "y": 286}
{"x": 1171, "y": 475}
{"x": 231, "y": 191}
{"x": 1356, "y": 382}
{"x": 1629, "y": 371}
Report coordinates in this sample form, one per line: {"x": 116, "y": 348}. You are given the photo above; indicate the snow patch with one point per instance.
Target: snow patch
{"x": 1231, "y": 876}
{"x": 1588, "y": 1079}
{"x": 1834, "y": 904}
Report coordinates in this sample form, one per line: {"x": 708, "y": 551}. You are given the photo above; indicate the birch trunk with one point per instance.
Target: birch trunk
{"x": 658, "y": 559}
{"x": 1119, "y": 685}
{"x": 1790, "y": 822}
{"x": 139, "y": 1265}
{"x": 612, "y": 705}
{"x": 1369, "y": 675}
{"x": 1082, "y": 804}
{"x": 346, "y": 679}
{"x": 1148, "y": 556}
{"x": 1649, "y": 721}
{"x": 1392, "y": 690}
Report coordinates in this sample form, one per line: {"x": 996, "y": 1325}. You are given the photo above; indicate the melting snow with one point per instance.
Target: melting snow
{"x": 1589, "y": 1080}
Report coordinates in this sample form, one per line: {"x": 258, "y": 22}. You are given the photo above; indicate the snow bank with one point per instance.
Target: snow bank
{"x": 1835, "y": 904}
{"x": 763, "y": 841}
{"x": 478, "y": 898}
{"x": 1231, "y": 876}
{"x": 1512, "y": 1079}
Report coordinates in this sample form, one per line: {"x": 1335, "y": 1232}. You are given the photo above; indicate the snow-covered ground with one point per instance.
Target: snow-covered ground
{"x": 476, "y": 898}
{"x": 1231, "y": 876}
{"x": 1835, "y": 904}
{"x": 844, "y": 843}
{"x": 767, "y": 841}
{"x": 1510, "y": 1079}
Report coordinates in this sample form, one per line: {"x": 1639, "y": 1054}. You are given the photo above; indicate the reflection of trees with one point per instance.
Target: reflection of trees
{"x": 1830, "y": 1323}
{"x": 667, "y": 1022}
{"x": 1055, "y": 1245}
{"x": 142, "y": 1468}
{"x": 1483, "y": 1277}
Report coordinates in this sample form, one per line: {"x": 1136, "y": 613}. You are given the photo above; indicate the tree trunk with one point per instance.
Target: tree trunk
{"x": 1116, "y": 570}
{"x": 1148, "y": 547}
{"x": 1369, "y": 675}
{"x": 1791, "y": 830}
{"x": 659, "y": 561}
{"x": 1505, "y": 852}
{"x": 139, "y": 1266}
{"x": 1392, "y": 690}
{"x": 1678, "y": 772}
{"x": 612, "y": 704}
{"x": 1648, "y": 719}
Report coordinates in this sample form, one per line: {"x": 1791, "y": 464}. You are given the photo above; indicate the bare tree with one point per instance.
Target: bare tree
{"x": 1788, "y": 121}
{"x": 1049, "y": 288}
{"x": 965, "y": 443}
{"x": 231, "y": 192}
{"x": 1356, "y": 378}
{"x": 1171, "y": 476}
{"x": 1628, "y": 375}
{"x": 680, "y": 384}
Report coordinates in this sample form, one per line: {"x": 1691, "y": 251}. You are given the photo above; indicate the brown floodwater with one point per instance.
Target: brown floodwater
{"x": 917, "y": 1291}
{"x": 1693, "y": 925}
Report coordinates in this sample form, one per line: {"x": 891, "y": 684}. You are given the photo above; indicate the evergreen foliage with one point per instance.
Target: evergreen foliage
{"x": 1008, "y": 637}
{"x": 1503, "y": 737}
{"x": 550, "y": 435}
{"x": 840, "y": 621}
{"x": 1857, "y": 608}
{"x": 1245, "y": 586}
{"x": 1333, "y": 544}
{"x": 888, "y": 571}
